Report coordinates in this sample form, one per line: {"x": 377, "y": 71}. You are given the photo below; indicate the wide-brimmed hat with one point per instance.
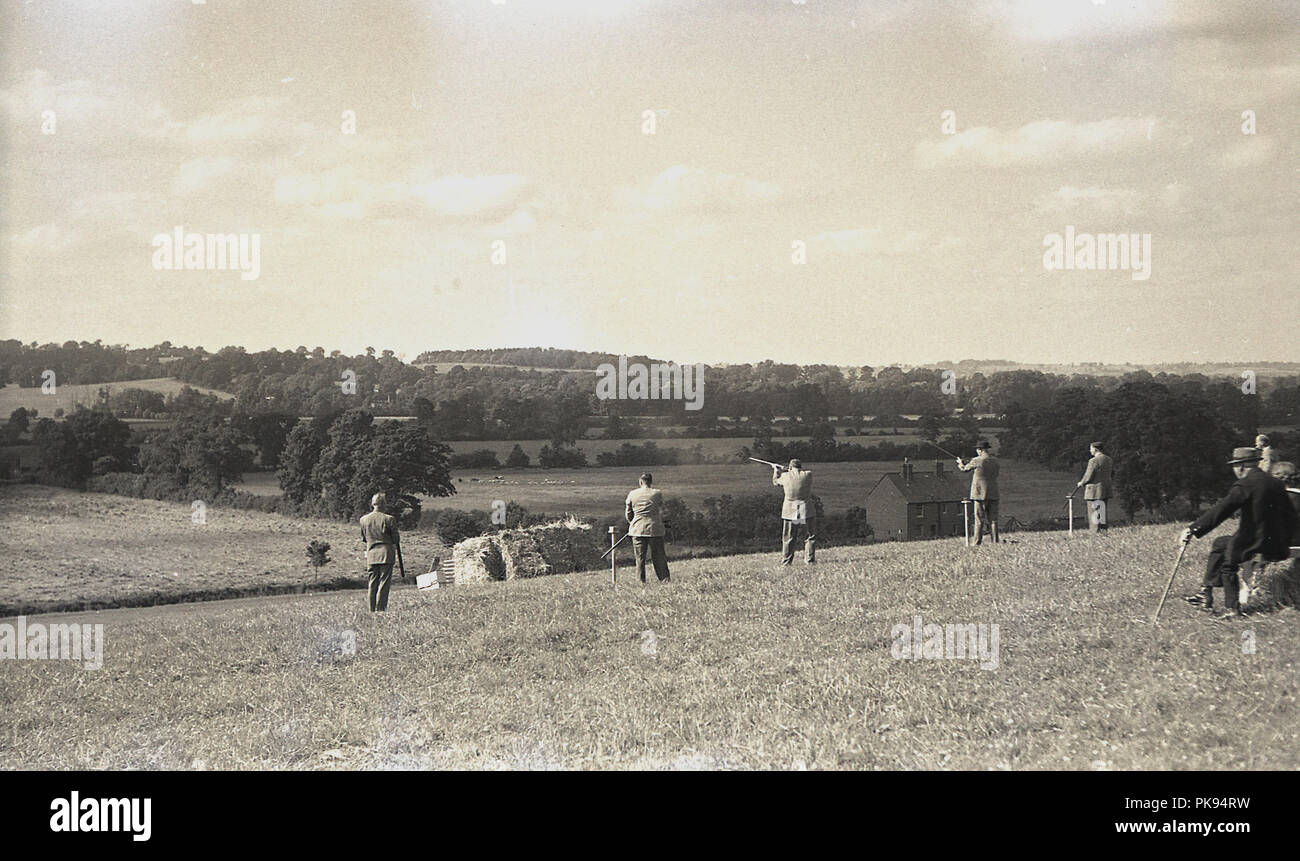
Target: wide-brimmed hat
{"x": 1243, "y": 454}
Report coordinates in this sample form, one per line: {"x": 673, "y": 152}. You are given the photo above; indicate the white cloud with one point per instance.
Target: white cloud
{"x": 1092, "y": 199}
{"x": 347, "y": 193}
{"x": 1040, "y": 142}
{"x": 200, "y": 173}
{"x": 684, "y": 189}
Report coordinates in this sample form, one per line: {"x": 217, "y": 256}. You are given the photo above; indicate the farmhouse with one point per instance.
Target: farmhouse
{"x": 907, "y": 505}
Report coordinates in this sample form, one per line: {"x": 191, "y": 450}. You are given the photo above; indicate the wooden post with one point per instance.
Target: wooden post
{"x": 1069, "y": 504}
{"x": 965, "y": 516}
{"x": 613, "y": 563}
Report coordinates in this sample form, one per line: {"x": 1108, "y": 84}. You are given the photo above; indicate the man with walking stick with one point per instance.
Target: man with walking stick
{"x": 383, "y": 548}
{"x": 1096, "y": 487}
{"x": 646, "y": 526}
{"x": 983, "y": 490}
{"x": 1263, "y": 534}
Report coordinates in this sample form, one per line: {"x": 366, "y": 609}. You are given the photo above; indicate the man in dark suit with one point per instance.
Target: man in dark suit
{"x": 379, "y": 531}
{"x": 1263, "y": 533}
{"x": 983, "y": 490}
{"x": 798, "y": 514}
{"x": 646, "y": 526}
{"x": 1096, "y": 486}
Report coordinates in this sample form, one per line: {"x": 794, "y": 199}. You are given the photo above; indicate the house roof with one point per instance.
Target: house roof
{"x": 926, "y": 487}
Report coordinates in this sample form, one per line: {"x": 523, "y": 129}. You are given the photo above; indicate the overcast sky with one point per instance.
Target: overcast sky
{"x": 775, "y": 122}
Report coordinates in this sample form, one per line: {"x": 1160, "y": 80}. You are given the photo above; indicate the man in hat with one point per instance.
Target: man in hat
{"x": 646, "y": 526}
{"x": 379, "y": 531}
{"x": 1267, "y": 457}
{"x": 1263, "y": 533}
{"x": 1096, "y": 487}
{"x": 798, "y": 517}
{"x": 983, "y": 490}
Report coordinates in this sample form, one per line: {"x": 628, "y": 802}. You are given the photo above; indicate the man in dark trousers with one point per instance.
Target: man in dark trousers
{"x": 379, "y": 531}
{"x": 983, "y": 490}
{"x": 1096, "y": 486}
{"x": 798, "y": 515}
{"x": 1263, "y": 533}
{"x": 646, "y": 526}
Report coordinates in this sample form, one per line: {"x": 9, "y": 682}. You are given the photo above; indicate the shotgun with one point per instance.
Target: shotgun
{"x": 769, "y": 463}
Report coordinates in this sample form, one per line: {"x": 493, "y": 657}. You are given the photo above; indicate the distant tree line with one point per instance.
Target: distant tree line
{"x": 521, "y": 402}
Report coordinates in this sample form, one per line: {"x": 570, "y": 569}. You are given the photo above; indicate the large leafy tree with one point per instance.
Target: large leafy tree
{"x": 200, "y": 452}
{"x": 87, "y": 443}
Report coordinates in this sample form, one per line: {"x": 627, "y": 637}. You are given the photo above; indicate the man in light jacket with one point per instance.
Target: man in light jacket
{"x": 983, "y": 490}
{"x": 798, "y": 517}
{"x": 379, "y": 531}
{"x": 646, "y": 526}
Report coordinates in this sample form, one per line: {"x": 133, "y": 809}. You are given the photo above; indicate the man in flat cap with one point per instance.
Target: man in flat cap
{"x": 798, "y": 517}
{"x": 1263, "y": 532}
{"x": 983, "y": 490}
{"x": 1096, "y": 487}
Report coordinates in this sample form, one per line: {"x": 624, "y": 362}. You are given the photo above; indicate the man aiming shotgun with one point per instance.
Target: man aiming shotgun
{"x": 797, "y": 521}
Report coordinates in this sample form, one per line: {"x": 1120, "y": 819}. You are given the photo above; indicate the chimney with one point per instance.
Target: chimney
{"x": 938, "y": 469}
{"x": 907, "y": 470}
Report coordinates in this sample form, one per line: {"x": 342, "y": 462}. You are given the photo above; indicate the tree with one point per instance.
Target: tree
{"x": 88, "y": 440}
{"x": 517, "y": 458}
{"x": 269, "y": 432}
{"x": 19, "y": 421}
{"x": 454, "y": 526}
{"x": 400, "y": 459}
{"x": 201, "y": 453}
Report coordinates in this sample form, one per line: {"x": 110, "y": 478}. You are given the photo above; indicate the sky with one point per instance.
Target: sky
{"x": 456, "y": 175}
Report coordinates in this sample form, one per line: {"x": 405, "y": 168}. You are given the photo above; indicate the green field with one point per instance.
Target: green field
{"x": 735, "y": 664}
{"x": 713, "y": 447}
{"x": 1029, "y": 492}
{"x": 69, "y": 550}
{"x": 68, "y": 397}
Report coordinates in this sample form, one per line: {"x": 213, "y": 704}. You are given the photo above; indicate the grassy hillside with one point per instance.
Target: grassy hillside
{"x": 737, "y": 663}
{"x": 69, "y": 396}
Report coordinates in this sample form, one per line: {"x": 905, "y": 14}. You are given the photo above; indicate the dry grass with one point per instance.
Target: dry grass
{"x": 67, "y": 550}
{"x": 737, "y": 663}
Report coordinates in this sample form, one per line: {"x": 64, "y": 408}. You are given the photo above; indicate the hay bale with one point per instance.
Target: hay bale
{"x": 1277, "y": 586}
{"x": 478, "y": 560}
{"x": 561, "y": 547}
{"x": 523, "y": 554}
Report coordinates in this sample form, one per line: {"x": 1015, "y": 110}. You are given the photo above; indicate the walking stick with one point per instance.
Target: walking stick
{"x": 401, "y": 566}
{"x": 1155, "y": 620}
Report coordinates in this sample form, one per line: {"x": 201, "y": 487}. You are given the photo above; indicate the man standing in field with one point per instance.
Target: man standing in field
{"x": 983, "y": 490}
{"x": 1096, "y": 487}
{"x": 798, "y": 518}
{"x": 1263, "y": 533}
{"x": 646, "y": 526}
{"x": 379, "y": 531}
